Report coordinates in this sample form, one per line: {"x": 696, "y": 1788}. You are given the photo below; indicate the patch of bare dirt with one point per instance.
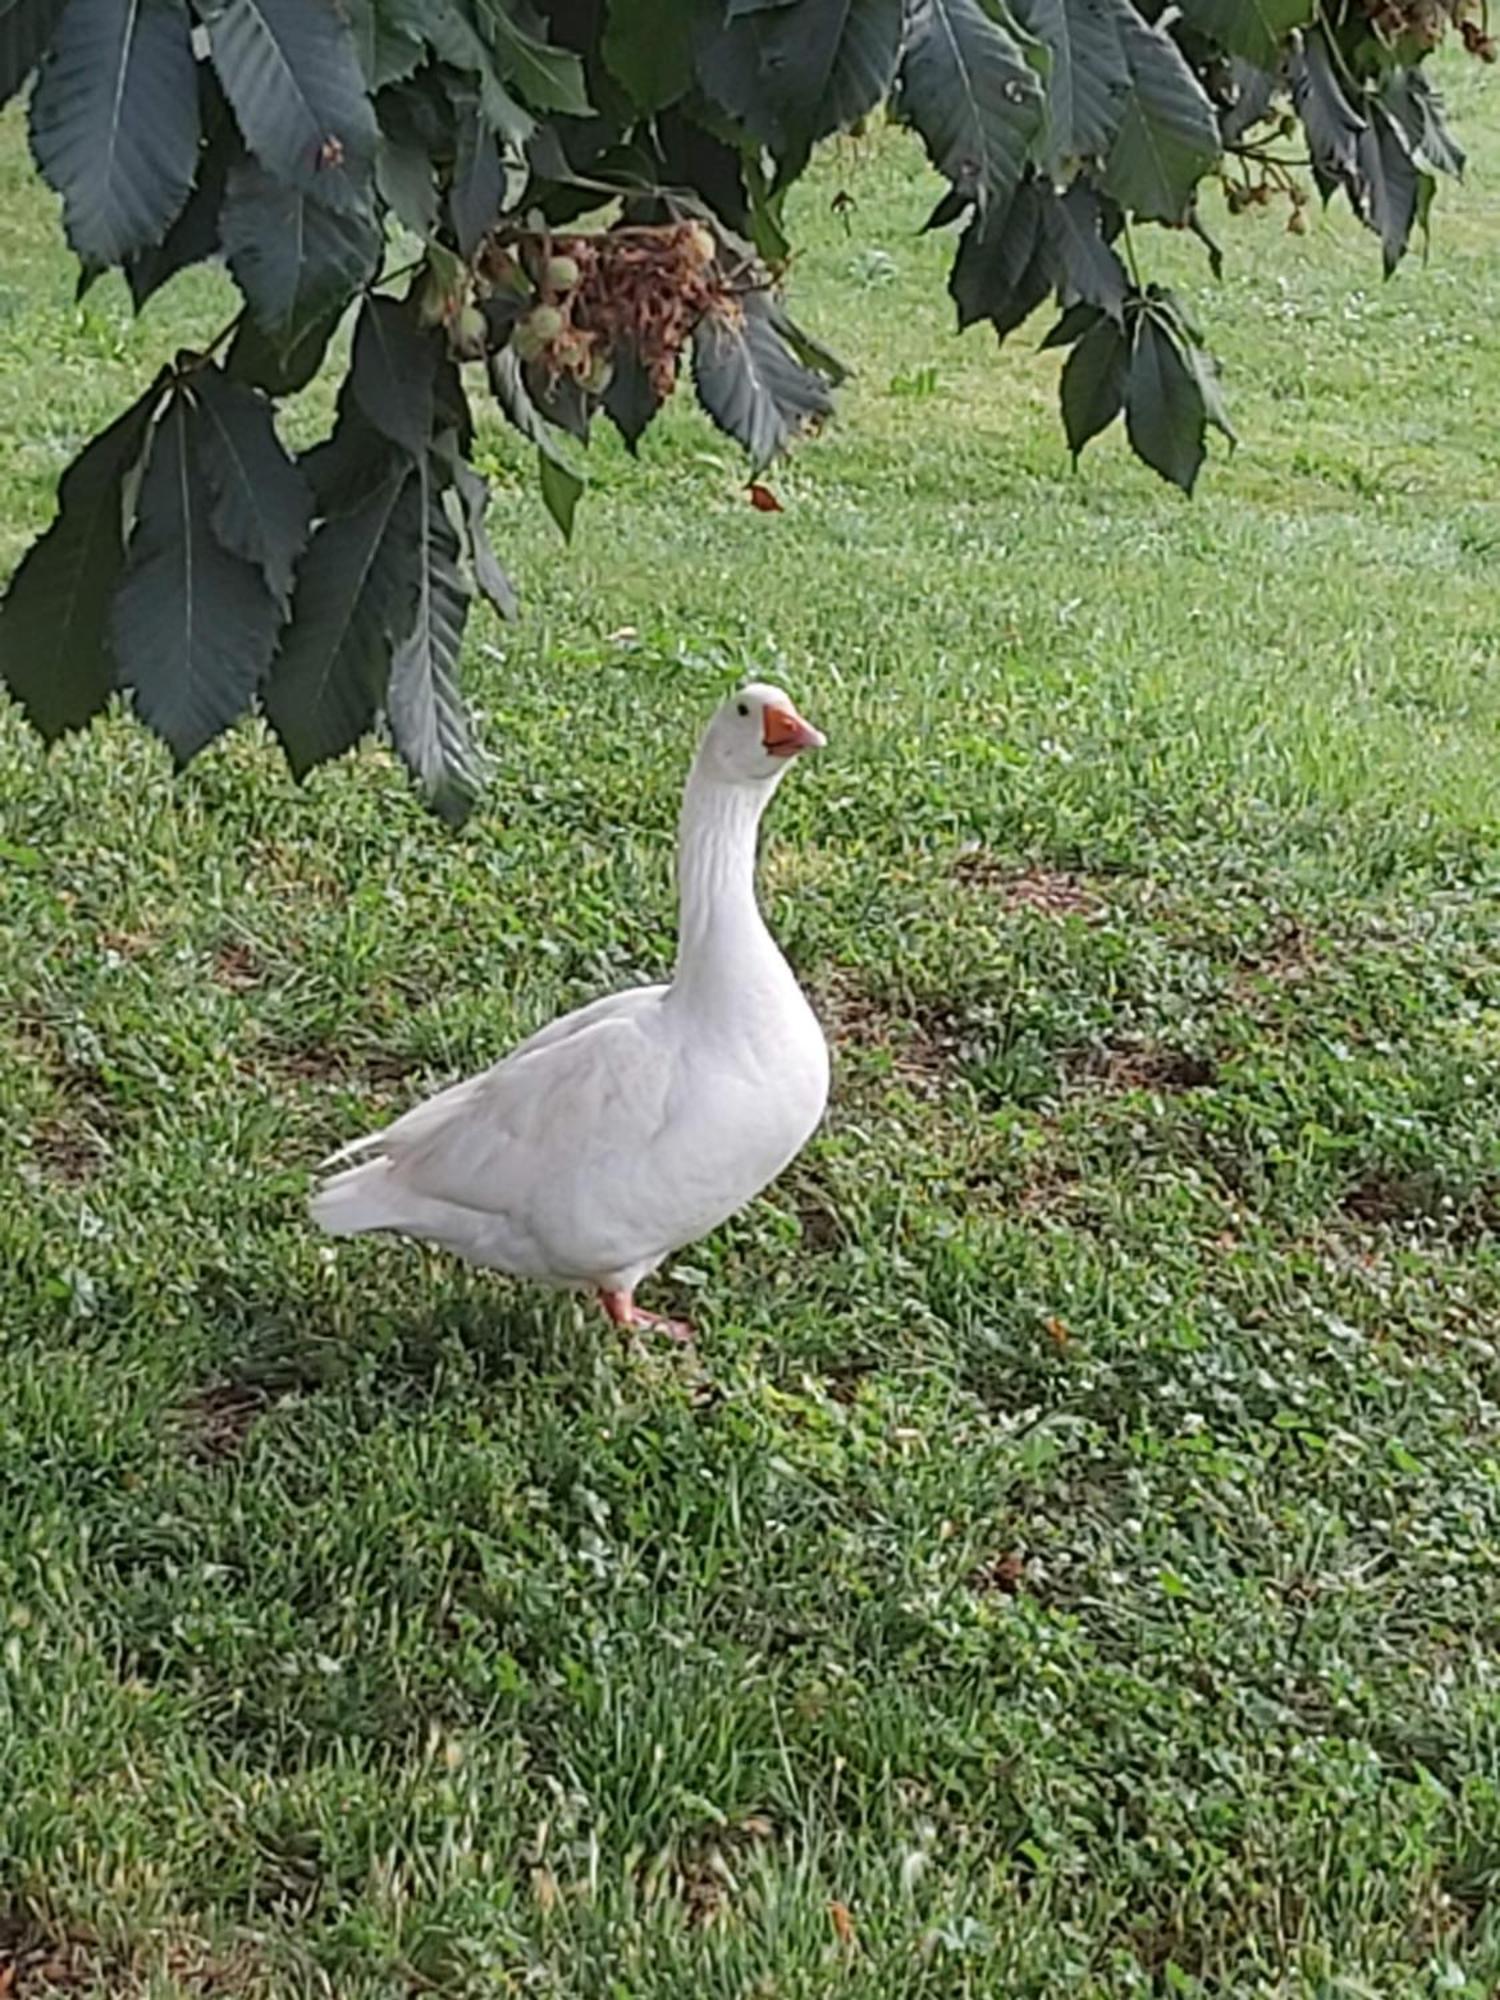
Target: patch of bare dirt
{"x": 217, "y": 1420}
{"x": 1051, "y": 892}
{"x": 36, "y": 1962}
{"x": 704, "y": 1873}
{"x": 1143, "y": 1066}
{"x": 67, "y": 1153}
{"x": 323, "y": 1064}
{"x": 1386, "y": 1200}
{"x": 236, "y": 967}
{"x": 924, "y": 1041}
{"x": 1005, "y": 1574}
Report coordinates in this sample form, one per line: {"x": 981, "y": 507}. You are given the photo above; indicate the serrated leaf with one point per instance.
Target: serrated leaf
{"x": 291, "y": 71}
{"x": 1254, "y": 93}
{"x": 1257, "y": 30}
{"x": 1005, "y": 265}
{"x": 549, "y": 78}
{"x": 1215, "y": 410}
{"x": 1087, "y": 80}
{"x": 629, "y": 399}
{"x": 55, "y": 653}
{"x": 347, "y": 466}
{"x": 808, "y": 350}
{"x": 508, "y": 381}
{"x": 1168, "y": 135}
{"x": 194, "y": 237}
{"x": 403, "y": 174}
{"x": 1332, "y": 124}
{"x": 295, "y": 259}
{"x": 1417, "y": 107}
{"x": 1387, "y": 184}
{"x": 281, "y": 363}
{"x": 26, "y": 28}
{"x": 1076, "y": 321}
{"x": 387, "y": 39}
{"x": 457, "y": 41}
{"x": 193, "y": 627}
{"x": 478, "y": 181}
{"x": 423, "y": 705}
{"x": 561, "y": 487}
{"x": 1163, "y": 404}
{"x": 114, "y": 123}
{"x": 393, "y": 373}
{"x": 968, "y": 89}
{"x": 793, "y": 74}
{"x": 262, "y": 505}
{"x": 751, "y": 384}
{"x": 1089, "y": 268}
{"x": 356, "y": 589}
{"x": 645, "y": 49}
{"x": 1092, "y": 388}
{"x": 490, "y": 577}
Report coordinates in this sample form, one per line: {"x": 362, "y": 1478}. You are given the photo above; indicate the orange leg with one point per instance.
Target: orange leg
{"x": 623, "y": 1311}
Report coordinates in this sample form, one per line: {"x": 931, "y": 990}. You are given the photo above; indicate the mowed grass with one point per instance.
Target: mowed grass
{"x": 1068, "y": 1564}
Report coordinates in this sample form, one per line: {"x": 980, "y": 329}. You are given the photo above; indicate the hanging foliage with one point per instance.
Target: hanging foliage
{"x": 199, "y": 568}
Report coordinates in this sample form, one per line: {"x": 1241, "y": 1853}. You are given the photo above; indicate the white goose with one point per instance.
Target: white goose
{"x": 630, "y": 1127}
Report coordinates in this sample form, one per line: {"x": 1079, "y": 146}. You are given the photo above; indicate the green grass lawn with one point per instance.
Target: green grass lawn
{"x": 1070, "y": 1564}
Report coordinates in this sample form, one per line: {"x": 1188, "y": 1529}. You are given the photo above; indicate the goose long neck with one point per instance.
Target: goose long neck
{"x": 721, "y": 935}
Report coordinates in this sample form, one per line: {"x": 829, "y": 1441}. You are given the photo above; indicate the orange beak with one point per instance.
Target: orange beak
{"x": 784, "y": 733}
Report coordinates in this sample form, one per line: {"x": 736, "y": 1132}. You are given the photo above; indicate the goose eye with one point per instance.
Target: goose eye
{"x": 742, "y": 708}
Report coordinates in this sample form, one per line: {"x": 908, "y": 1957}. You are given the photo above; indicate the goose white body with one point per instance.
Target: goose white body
{"x": 634, "y": 1125}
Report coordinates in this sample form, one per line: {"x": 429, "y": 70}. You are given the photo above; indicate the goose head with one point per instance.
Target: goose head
{"x": 754, "y": 735}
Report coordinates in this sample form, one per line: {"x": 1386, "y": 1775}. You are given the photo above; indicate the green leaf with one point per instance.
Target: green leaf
{"x": 1332, "y": 124}
{"x": 1168, "y": 135}
{"x": 630, "y": 399}
{"x": 387, "y": 39}
{"x": 1005, "y": 265}
{"x": 403, "y": 175}
{"x": 750, "y": 382}
{"x": 561, "y": 487}
{"x": 1163, "y": 403}
{"x": 474, "y": 495}
{"x": 1215, "y": 410}
{"x": 281, "y": 363}
{"x": 262, "y": 505}
{"x": 1089, "y": 268}
{"x": 194, "y": 236}
{"x": 1417, "y": 107}
{"x": 1254, "y": 29}
{"x": 295, "y": 259}
{"x": 508, "y": 381}
{"x": 969, "y": 90}
{"x": 55, "y": 654}
{"x": 193, "y": 626}
{"x": 1076, "y": 321}
{"x": 1254, "y": 90}
{"x": 25, "y": 30}
{"x": 423, "y": 704}
{"x": 291, "y": 71}
{"x": 793, "y": 74}
{"x": 1087, "y": 80}
{"x": 645, "y": 49}
{"x": 114, "y": 123}
{"x": 550, "y": 79}
{"x": 356, "y": 589}
{"x": 393, "y": 373}
{"x": 1092, "y": 388}
{"x": 478, "y": 181}
{"x": 1386, "y": 187}
{"x": 457, "y": 41}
